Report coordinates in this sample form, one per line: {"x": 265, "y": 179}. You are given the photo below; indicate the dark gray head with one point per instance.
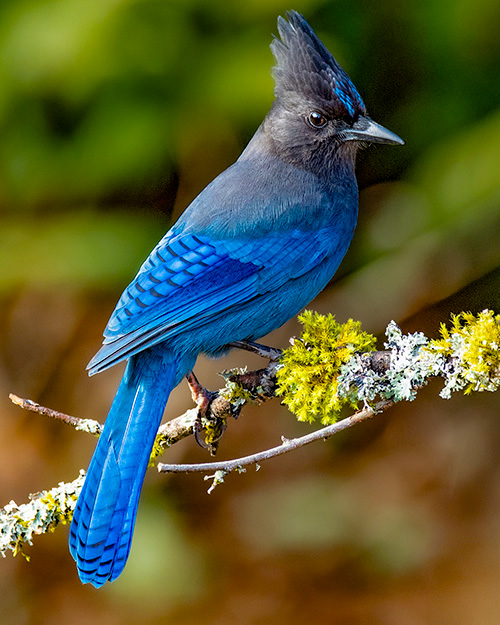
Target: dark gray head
{"x": 318, "y": 112}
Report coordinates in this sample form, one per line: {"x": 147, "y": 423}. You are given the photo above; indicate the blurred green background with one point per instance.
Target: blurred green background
{"x": 114, "y": 114}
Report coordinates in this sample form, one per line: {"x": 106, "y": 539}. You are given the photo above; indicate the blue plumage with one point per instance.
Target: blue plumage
{"x": 103, "y": 522}
{"x": 248, "y": 254}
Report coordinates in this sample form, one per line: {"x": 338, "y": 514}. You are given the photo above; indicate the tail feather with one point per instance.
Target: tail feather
{"x": 104, "y": 518}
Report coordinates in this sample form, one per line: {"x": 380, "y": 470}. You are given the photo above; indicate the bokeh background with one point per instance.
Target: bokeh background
{"x": 114, "y": 114}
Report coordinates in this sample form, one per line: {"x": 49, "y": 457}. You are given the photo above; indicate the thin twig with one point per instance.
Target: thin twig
{"x": 287, "y": 445}
{"x": 76, "y": 422}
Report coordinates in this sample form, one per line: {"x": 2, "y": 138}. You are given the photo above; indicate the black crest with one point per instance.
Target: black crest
{"x": 305, "y": 69}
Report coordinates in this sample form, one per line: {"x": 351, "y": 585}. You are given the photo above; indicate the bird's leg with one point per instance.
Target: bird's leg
{"x": 202, "y": 397}
{"x": 272, "y": 353}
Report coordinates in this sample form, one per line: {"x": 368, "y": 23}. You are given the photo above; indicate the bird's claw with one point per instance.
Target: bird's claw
{"x": 272, "y": 353}
{"x": 202, "y": 397}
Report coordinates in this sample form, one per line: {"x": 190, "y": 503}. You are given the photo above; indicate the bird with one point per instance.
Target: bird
{"x": 248, "y": 254}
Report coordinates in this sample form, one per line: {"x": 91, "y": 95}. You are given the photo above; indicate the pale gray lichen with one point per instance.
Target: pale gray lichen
{"x": 90, "y": 426}
{"x": 407, "y": 372}
{"x": 44, "y": 511}
{"x": 359, "y": 382}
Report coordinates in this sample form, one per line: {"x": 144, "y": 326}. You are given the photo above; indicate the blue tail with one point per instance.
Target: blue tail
{"x": 104, "y": 518}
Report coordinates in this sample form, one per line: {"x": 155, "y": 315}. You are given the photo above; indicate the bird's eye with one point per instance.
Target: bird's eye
{"x": 317, "y": 120}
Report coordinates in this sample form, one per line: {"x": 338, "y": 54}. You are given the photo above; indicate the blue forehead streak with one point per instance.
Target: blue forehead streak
{"x": 346, "y": 91}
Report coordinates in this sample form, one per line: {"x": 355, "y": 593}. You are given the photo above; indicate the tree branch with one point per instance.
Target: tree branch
{"x": 330, "y": 366}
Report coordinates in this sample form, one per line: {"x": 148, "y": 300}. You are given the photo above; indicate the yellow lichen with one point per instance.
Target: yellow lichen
{"x": 308, "y": 377}
{"x": 471, "y": 347}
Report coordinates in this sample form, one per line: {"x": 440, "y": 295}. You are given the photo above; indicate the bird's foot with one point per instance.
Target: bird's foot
{"x": 214, "y": 429}
{"x": 271, "y": 353}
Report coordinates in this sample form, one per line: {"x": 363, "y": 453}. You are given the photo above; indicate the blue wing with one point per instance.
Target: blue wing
{"x": 188, "y": 278}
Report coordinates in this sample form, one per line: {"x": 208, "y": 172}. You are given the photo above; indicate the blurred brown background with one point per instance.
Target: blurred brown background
{"x": 114, "y": 114}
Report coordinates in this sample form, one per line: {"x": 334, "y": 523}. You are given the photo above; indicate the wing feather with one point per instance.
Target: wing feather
{"x": 188, "y": 279}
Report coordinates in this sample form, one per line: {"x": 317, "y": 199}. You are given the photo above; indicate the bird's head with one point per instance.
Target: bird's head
{"x": 317, "y": 108}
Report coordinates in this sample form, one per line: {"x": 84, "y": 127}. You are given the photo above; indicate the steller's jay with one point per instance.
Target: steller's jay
{"x": 255, "y": 247}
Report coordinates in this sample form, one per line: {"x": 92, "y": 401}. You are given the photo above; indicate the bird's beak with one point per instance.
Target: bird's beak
{"x": 364, "y": 129}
